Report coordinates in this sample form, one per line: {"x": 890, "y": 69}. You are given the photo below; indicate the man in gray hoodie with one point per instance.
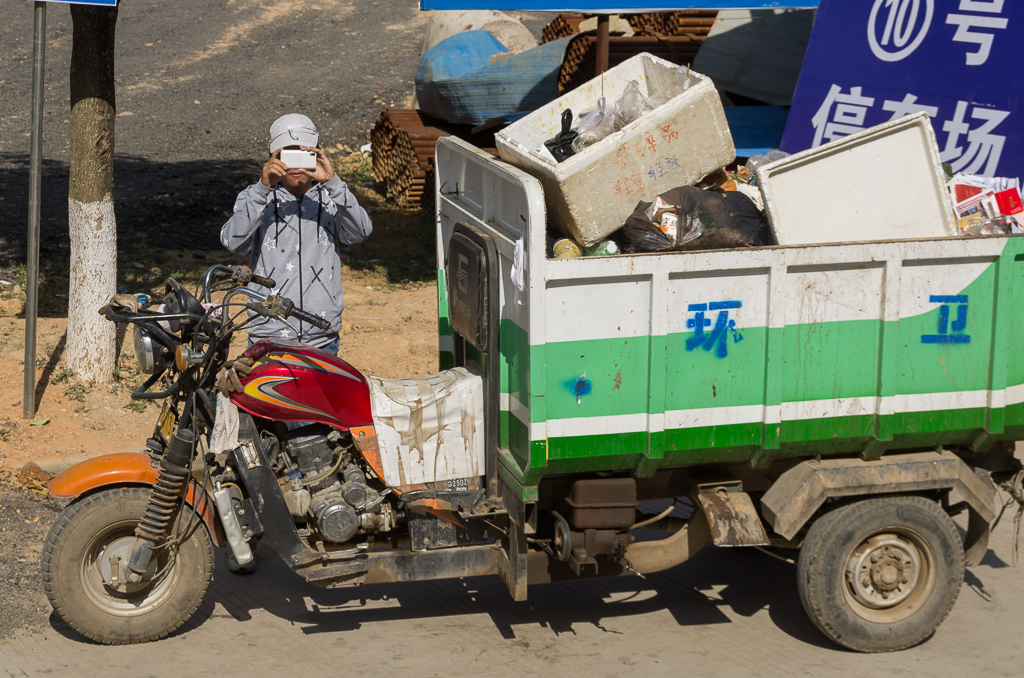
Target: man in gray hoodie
{"x": 292, "y": 223}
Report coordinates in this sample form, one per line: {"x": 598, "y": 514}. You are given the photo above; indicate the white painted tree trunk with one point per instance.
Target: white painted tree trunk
{"x": 91, "y": 349}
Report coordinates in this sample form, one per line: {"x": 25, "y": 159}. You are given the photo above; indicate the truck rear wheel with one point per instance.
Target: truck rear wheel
{"x": 93, "y": 538}
{"x": 881, "y": 574}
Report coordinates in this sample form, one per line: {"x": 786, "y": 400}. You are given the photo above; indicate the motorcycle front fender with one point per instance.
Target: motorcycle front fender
{"x": 125, "y": 469}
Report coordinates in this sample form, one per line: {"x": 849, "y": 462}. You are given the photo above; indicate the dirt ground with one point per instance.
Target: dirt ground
{"x": 386, "y": 332}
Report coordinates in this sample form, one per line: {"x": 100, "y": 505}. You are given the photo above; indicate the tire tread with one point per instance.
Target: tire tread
{"x": 813, "y": 585}
{"x": 67, "y": 518}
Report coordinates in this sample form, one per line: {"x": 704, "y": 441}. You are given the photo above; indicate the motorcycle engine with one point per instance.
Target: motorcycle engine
{"x": 340, "y": 501}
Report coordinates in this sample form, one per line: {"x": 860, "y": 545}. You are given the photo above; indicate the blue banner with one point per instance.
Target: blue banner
{"x": 106, "y": 3}
{"x": 877, "y": 60}
{"x": 612, "y": 6}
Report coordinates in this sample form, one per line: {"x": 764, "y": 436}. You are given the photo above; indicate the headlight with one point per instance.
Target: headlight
{"x": 144, "y": 350}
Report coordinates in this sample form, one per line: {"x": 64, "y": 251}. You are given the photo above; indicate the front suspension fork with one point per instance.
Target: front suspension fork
{"x": 165, "y": 500}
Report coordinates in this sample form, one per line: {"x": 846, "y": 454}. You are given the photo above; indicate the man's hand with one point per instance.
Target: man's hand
{"x": 323, "y": 172}
{"x": 274, "y": 170}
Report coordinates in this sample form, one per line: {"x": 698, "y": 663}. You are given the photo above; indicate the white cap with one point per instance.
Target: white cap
{"x": 293, "y": 130}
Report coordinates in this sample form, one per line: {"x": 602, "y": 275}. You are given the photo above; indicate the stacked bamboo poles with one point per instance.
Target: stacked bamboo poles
{"x": 692, "y": 22}
{"x": 580, "y": 60}
{"x": 403, "y": 144}
{"x": 562, "y": 26}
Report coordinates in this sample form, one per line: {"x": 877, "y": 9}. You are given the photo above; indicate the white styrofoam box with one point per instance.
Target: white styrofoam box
{"x": 885, "y": 183}
{"x": 590, "y": 194}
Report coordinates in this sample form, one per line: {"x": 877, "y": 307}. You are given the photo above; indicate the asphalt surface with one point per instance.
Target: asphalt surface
{"x": 198, "y": 84}
{"x": 726, "y": 612}
{"x": 25, "y": 518}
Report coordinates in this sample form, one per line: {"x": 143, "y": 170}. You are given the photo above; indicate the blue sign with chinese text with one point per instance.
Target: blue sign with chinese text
{"x": 612, "y": 6}
{"x": 108, "y": 3}
{"x": 872, "y": 61}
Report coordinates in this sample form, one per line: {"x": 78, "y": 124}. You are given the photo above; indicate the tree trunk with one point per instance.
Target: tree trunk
{"x": 93, "y": 230}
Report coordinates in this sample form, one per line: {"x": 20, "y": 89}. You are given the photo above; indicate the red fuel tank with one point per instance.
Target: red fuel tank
{"x": 295, "y": 382}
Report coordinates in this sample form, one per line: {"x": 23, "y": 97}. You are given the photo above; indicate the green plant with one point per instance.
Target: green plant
{"x": 136, "y": 406}
{"x": 127, "y": 375}
{"x": 76, "y": 392}
{"x": 355, "y": 169}
{"x": 61, "y": 376}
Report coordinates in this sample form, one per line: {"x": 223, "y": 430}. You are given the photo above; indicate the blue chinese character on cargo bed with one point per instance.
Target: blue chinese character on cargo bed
{"x": 724, "y": 326}
{"x": 949, "y": 332}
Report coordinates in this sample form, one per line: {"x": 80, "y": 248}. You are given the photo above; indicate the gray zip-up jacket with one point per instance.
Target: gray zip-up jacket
{"x": 296, "y": 242}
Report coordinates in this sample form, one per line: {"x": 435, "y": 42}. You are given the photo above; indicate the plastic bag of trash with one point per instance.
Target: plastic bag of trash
{"x": 592, "y": 125}
{"x": 632, "y": 105}
{"x": 749, "y": 171}
{"x": 689, "y": 218}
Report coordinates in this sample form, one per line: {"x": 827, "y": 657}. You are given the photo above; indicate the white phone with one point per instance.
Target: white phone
{"x": 293, "y": 159}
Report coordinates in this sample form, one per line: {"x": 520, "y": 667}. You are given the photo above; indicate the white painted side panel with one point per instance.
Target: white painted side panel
{"x": 921, "y": 280}
{"x": 834, "y": 293}
{"x": 599, "y": 309}
{"x": 430, "y": 429}
{"x": 747, "y": 288}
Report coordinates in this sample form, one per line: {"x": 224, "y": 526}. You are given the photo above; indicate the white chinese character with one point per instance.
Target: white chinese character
{"x": 984, "y": 148}
{"x": 966, "y": 23}
{"x": 847, "y": 119}
{"x": 908, "y": 106}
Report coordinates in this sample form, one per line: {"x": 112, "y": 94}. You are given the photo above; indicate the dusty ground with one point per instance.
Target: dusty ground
{"x": 198, "y": 84}
{"x": 387, "y": 332}
{"x": 25, "y": 518}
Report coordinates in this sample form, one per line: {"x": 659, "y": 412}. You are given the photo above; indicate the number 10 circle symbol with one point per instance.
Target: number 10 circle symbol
{"x": 898, "y": 27}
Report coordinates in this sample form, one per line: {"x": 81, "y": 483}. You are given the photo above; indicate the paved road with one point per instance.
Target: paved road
{"x": 198, "y": 84}
{"x": 727, "y": 612}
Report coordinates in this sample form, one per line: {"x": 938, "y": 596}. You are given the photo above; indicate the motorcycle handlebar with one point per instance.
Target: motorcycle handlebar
{"x": 244, "y": 275}
{"x": 311, "y": 319}
{"x": 269, "y": 283}
{"x": 283, "y": 307}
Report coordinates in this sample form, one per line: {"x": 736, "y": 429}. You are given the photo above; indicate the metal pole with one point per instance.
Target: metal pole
{"x": 35, "y": 184}
{"x": 602, "y": 44}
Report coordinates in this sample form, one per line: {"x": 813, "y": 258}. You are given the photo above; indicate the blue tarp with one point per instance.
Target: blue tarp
{"x": 456, "y": 83}
{"x": 612, "y": 6}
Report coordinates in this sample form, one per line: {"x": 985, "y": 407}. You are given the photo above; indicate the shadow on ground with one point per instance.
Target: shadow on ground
{"x": 695, "y": 593}
{"x": 173, "y": 205}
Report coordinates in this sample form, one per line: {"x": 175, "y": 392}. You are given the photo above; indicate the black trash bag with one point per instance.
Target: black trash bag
{"x": 705, "y": 219}
{"x": 560, "y": 145}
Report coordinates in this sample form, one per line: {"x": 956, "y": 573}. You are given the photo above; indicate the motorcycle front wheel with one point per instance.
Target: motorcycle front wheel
{"x": 83, "y": 570}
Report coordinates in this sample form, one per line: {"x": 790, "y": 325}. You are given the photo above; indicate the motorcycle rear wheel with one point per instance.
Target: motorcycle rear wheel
{"x": 94, "y": 532}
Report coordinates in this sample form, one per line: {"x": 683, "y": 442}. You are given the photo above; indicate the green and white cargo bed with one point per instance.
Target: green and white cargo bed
{"x": 844, "y": 399}
{"x": 657, "y": 360}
